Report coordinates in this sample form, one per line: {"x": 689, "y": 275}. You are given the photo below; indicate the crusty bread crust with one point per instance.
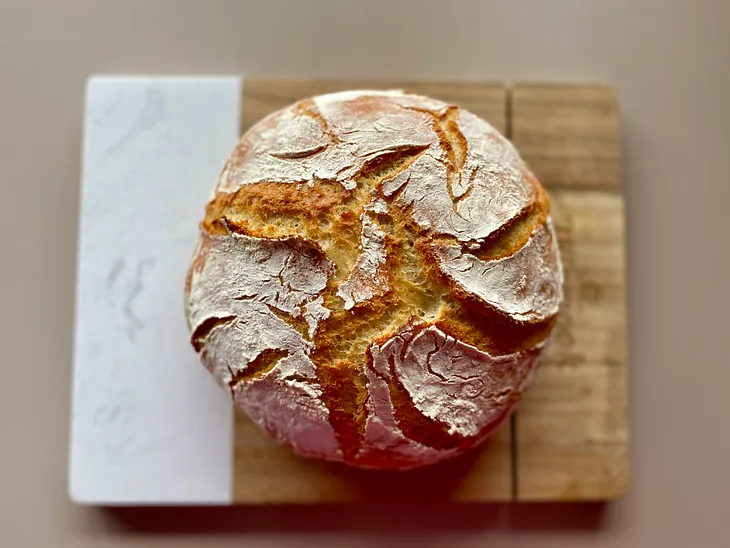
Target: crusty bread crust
{"x": 376, "y": 278}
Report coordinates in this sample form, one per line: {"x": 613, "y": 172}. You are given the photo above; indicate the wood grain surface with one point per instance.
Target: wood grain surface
{"x": 569, "y": 438}
{"x": 568, "y": 134}
{"x": 571, "y": 429}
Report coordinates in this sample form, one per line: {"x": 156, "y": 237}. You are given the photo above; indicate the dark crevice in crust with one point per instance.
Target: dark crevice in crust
{"x": 474, "y": 323}
{"x": 197, "y": 339}
{"x": 259, "y": 366}
{"x": 411, "y": 421}
{"x": 513, "y": 235}
{"x": 301, "y": 378}
{"x": 344, "y": 391}
{"x": 299, "y": 155}
{"x": 388, "y": 164}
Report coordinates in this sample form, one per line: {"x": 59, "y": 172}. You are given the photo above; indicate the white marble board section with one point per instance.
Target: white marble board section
{"x": 149, "y": 425}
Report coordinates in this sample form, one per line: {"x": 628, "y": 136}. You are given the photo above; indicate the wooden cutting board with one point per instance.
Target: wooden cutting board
{"x": 569, "y": 438}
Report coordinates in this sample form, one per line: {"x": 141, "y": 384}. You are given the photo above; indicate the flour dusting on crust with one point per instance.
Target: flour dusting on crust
{"x": 246, "y": 281}
{"x": 258, "y": 308}
{"x": 457, "y": 384}
{"x": 368, "y": 278}
{"x": 528, "y": 285}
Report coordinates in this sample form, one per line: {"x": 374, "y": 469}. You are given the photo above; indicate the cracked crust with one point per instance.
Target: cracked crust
{"x": 376, "y": 278}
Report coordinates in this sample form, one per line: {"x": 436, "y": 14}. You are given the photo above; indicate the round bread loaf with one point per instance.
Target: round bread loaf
{"x": 376, "y": 277}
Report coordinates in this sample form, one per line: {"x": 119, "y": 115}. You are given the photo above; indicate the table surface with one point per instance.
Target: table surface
{"x": 668, "y": 61}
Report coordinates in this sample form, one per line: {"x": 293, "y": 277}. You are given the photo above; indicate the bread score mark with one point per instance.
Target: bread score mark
{"x": 259, "y": 366}
{"x": 533, "y": 270}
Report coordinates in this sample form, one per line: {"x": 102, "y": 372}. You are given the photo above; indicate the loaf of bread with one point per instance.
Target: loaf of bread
{"x": 376, "y": 277}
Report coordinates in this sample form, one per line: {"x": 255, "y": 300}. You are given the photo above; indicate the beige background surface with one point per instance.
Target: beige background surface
{"x": 669, "y": 61}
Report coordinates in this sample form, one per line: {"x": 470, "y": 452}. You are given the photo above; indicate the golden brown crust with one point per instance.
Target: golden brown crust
{"x": 269, "y": 199}
{"x": 344, "y": 393}
{"x": 414, "y": 290}
{"x": 476, "y": 324}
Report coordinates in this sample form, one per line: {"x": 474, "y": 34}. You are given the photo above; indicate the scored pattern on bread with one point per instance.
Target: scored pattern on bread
{"x": 376, "y": 277}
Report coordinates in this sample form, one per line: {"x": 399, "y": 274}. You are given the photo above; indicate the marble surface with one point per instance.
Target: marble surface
{"x": 149, "y": 425}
